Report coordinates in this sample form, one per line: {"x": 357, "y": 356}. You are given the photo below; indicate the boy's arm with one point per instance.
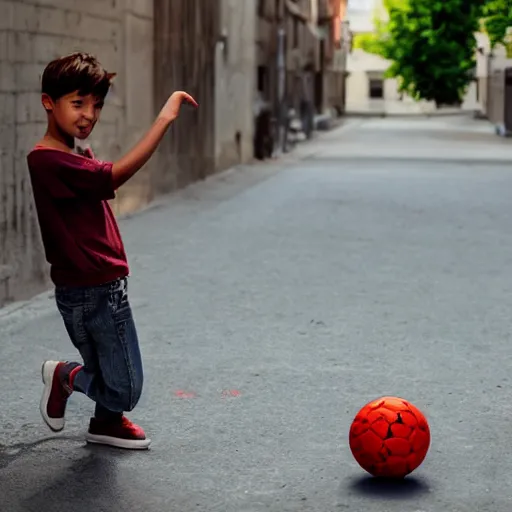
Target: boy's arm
{"x": 128, "y": 165}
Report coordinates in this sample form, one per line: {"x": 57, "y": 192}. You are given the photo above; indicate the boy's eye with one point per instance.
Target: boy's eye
{"x": 99, "y": 105}
{"x": 77, "y": 103}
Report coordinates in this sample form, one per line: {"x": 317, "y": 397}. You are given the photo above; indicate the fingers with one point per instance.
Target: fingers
{"x": 189, "y": 98}
{"x": 186, "y": 97}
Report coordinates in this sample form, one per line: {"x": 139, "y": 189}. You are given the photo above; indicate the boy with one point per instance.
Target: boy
{"x": 84, "y": 248}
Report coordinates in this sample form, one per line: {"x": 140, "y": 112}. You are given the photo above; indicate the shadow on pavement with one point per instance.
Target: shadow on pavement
{"x": 39, "y": 477}
{"x": 372, "y": 487}
{"x": 10, "y": 453}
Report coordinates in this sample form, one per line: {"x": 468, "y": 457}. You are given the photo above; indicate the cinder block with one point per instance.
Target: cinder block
{"x": 73, "y": 19}
{"x": 29, "y": 108}
{"x": 109, "y": 56}
{"x": 7, "y": 77}
{"x": 28, "y": 77}
{"x": 110, "y": 9}
{"x": 6, "y": 14}
{"x": 53, "y": 21}
{"x": 7, "y": 108}
{"x": 93, "y": 47}
{"x": 21, "y": 46}
{"x": 26, "y": 17}
{"x": 70, "y": 44}
{"x": 27, "y": 135}
{"x": 47, "y": 47}
{"x": 96, "y": 28}
{"x": 7, "y": 139}
{"x": 62, "y": 4}
{"x": 4, "y": 45}
{"x": 8, "y": 196}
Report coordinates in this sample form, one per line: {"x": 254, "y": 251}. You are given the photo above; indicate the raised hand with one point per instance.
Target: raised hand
{"x": 171, "y": 109}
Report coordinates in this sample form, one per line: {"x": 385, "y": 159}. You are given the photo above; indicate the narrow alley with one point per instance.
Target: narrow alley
{"x": 275, "y": 300}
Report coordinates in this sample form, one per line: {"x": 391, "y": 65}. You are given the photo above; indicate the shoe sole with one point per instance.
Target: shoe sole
{"x": 47, "y": 372}
{"x": 127, "y": 444}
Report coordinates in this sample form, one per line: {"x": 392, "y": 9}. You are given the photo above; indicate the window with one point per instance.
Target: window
{"x": 376, "y": 88}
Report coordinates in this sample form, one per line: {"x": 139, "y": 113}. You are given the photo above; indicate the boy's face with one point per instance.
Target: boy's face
{"x": 73, "y": 114}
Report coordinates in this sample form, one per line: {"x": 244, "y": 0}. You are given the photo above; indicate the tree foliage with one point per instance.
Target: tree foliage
{"x": 497, "y": 18}
{"x": 431, "y": 45}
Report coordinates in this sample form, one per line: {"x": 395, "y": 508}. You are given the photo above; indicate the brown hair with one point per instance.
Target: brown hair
{"x": 76, "y": 72}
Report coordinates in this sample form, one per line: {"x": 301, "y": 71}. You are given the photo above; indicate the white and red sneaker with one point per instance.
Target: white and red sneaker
{"x": 121, "y": 433}
{"x": 56, "y": 392}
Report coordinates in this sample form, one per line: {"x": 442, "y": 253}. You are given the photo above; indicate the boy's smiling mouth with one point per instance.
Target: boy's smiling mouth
{"x": 84, "y": 129}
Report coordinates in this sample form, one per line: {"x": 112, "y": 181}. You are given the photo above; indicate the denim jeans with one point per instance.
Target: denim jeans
{"x": 100, "y": 324}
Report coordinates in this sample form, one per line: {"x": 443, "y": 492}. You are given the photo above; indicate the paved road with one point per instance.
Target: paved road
{"x": 272, "y": 303}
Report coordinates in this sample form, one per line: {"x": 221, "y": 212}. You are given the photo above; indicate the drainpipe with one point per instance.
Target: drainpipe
{"x": 281, "y": 88}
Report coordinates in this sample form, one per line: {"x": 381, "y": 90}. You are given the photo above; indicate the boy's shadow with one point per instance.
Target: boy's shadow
{"x": 81, "y": 479}
{"x": 388, "y": 488}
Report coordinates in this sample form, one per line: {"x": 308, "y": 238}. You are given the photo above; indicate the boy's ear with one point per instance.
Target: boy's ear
{"x": 47, "y": 102}
{"x": 111, "y": 76}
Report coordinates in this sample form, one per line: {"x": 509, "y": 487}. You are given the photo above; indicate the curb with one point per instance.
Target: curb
{"x": 435, "y": 113}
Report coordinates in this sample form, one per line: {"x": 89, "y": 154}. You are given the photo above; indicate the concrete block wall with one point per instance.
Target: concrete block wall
{"x": 33, "y": 32}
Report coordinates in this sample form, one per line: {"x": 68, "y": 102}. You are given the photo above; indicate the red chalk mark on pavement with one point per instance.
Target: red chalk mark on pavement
{"x": 233, "y": 393}
{"x": 180, "y": 393}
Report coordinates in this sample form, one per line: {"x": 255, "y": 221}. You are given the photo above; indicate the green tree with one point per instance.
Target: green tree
{"x": 431, "y": 45}
{"x": 497, "y": 18}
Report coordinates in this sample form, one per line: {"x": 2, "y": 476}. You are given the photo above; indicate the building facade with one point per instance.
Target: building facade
{"x": 301, "y": 63}
{"x": 494, "y": 84}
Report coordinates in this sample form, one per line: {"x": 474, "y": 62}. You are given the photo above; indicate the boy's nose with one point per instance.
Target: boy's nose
{"x": 89, "y": 114}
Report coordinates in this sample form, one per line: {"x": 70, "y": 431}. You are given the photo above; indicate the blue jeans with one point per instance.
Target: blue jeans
{"x": 100, "y": 324}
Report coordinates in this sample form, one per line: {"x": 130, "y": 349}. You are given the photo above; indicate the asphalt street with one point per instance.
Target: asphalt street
{"x": 275, "y": 300}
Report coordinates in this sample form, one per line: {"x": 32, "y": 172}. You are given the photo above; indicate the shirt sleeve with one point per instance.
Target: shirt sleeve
{"x": 67, "y": 175}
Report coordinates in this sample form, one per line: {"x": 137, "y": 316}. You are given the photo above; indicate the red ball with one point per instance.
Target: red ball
{"x": 389, "y": 437}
